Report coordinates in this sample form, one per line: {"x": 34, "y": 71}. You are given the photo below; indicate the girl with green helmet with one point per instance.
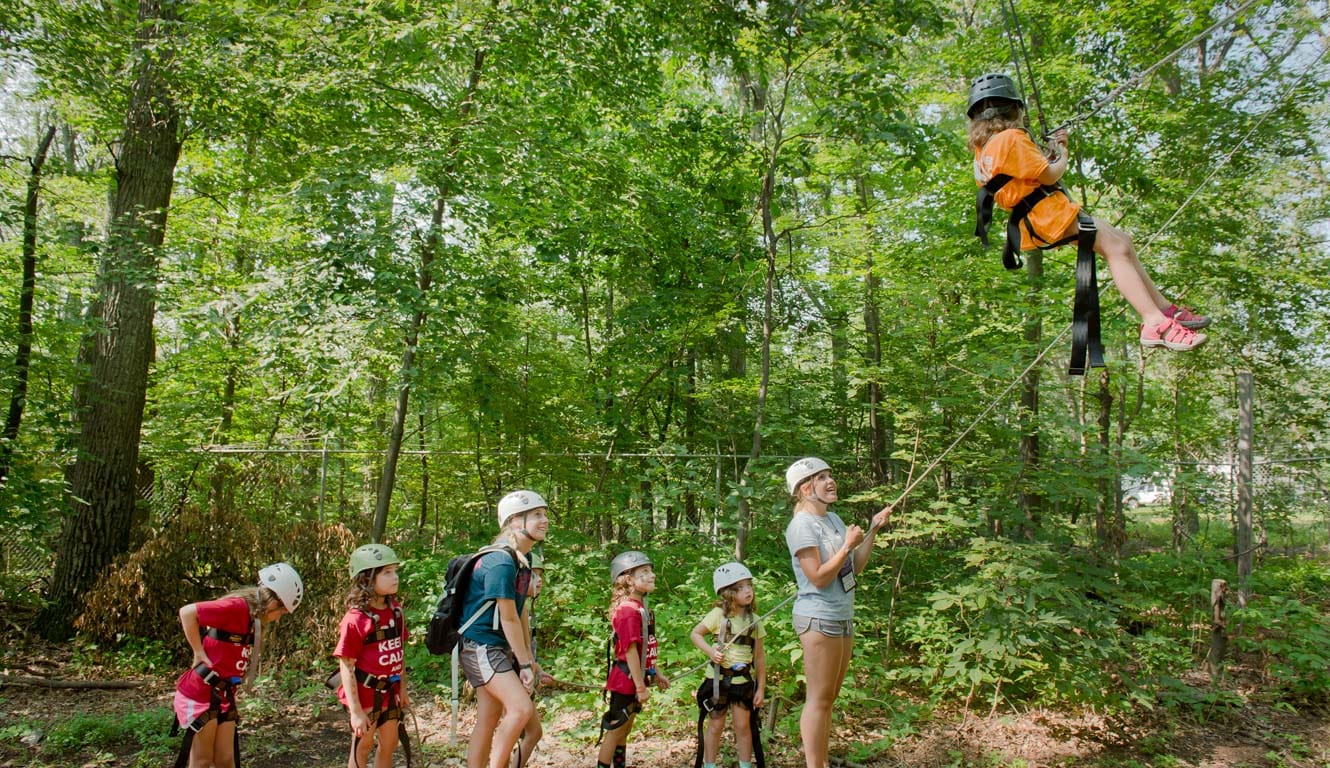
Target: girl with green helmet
{"x": 369, "y": 647}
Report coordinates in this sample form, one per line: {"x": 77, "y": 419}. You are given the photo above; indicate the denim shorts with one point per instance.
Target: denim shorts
{"x": 828, "y": 627}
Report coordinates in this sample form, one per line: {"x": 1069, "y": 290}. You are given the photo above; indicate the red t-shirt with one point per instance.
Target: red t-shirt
{"x": 354, "y": 641}
{"x": 629, "y": 628}
{"x": 229, "y": 614}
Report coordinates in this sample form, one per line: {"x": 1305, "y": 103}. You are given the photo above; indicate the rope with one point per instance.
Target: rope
{"x": 1136, "y": 79}
{"x": 1014, "y": 30}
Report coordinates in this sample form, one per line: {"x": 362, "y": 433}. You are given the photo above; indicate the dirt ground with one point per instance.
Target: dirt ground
{"x": 308, "y": 730}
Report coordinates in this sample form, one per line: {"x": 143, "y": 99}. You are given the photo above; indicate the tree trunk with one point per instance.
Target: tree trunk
{"x": 770, "y": 244}
{"x": 428, "y": 253}
{"x": 119, "y": 350}
{"x": 878, "y": 450}
{"x": 1242, "y": 536}
{"x": 1030, "y": 500}
{"x": 27, "y": 295}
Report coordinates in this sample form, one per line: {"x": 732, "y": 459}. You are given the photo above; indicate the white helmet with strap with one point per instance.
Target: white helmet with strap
{"x": 517, "y": 503}
{"x": 728, "y": 575}
{"x": 801, "y": 470}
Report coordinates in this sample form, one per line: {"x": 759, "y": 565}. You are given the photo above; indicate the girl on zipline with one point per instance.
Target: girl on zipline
{"x": 1047, "y": 217}
{"x": 827, "y": 556}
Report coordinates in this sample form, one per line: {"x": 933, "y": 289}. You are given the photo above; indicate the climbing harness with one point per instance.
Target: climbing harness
{"x": 733, "y": 685}
{"x": 1087, "y": 350}
{"x": 221, "y": 691}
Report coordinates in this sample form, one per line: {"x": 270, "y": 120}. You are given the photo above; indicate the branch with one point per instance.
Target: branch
{"x": 47, "y": 682}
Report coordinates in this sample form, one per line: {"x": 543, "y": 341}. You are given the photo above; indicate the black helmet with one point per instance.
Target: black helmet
{"x": 993, "y": 85}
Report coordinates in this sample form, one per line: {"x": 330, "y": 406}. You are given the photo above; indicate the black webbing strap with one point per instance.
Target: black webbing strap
{"x": 229, "y": 637}
{"x": 705, "y": 708}
{"x": 1085, "y": 340}
{"x": 387, "y": 706}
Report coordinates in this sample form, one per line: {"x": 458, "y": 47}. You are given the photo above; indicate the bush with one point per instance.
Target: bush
{"x": 141, "y": 595}
{"x": 1293, "y": 643}
{"x": 1016, "y": 625}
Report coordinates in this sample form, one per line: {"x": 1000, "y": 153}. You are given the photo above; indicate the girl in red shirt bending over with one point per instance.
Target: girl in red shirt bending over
{"x": 369, "y": 656}
{"x": 226, "y": 636}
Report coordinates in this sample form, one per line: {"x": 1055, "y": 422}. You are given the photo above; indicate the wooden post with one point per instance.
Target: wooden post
{"x": 1243, "y": 519}
{"x": 1214, "y": 660}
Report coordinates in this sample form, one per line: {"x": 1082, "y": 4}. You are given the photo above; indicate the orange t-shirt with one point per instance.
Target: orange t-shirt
{"x": 1013, "y": 152}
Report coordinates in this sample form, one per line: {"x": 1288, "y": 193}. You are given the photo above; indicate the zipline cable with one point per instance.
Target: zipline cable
{"x": 1014, "y": 31}
{"x": 1136, "y": 79}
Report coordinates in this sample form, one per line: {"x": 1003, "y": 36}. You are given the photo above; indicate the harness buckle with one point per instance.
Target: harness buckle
{"x": 209, "y": 675}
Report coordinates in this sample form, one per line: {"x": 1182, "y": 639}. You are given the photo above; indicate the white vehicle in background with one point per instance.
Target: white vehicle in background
{"x": 1145, "y": 493}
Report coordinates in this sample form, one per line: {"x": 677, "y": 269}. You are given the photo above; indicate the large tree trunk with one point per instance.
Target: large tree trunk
{"x": 117, "y": 353}
{"x": 27, "y": 295}
{"x": 428, "y": 253}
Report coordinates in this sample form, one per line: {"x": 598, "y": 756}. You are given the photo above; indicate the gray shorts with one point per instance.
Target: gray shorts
{"x": 828, "y": 627}
{"x": 480, "y": 663}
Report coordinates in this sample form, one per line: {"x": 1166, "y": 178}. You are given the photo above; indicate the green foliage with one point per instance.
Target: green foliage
{"x": 1291, "y": 641}
{"x": 1016, "y": 624}
{"x": 148, "y": 730}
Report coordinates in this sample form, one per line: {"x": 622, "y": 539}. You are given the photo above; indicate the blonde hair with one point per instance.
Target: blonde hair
{"x": 979, "y": 131}
{"x": 257, "y": 598}
{"x": 508, "y": 536}
{"x": 621, "y": 591}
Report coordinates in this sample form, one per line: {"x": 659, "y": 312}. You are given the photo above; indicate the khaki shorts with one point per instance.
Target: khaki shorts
{"x": 480, "y": 663}
{"x": 828, "y": 627}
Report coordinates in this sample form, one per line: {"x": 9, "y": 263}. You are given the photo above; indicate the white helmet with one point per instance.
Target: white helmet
{"x": 801, "y": 470}
{"x": 518, "y": 502}
{"x": 729, "y": 575}
{"x": 283, "y": 580}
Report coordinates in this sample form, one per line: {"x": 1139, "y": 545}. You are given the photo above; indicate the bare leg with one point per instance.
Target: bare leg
{"x": 488, "y": 710}
{"x": 743, "y": 732}
{"x": 825, "y": 661}
{"x": 530, "y": 737}
{"x": 201, "y": 749}
{"x": 507, "y": 689}
{"x": 613, "y": 739}
{"x": 1131, "y": 279}
{"x": 383, "y": 758}
{"x": 715, "y": 729}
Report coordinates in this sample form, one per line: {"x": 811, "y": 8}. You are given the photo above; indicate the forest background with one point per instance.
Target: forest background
{"x": 288, "y": 277}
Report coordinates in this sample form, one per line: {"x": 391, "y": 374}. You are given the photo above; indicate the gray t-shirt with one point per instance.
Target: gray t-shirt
{"x": 828, "y": 535}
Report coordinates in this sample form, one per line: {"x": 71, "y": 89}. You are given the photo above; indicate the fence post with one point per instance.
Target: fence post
{"x": 1243, "y": 537}
{"x": 1214, "y": 660}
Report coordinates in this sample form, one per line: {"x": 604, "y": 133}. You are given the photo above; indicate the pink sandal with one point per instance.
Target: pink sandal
{"x": 1173, "y": 335}
{"x": 1187, "y": 318}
